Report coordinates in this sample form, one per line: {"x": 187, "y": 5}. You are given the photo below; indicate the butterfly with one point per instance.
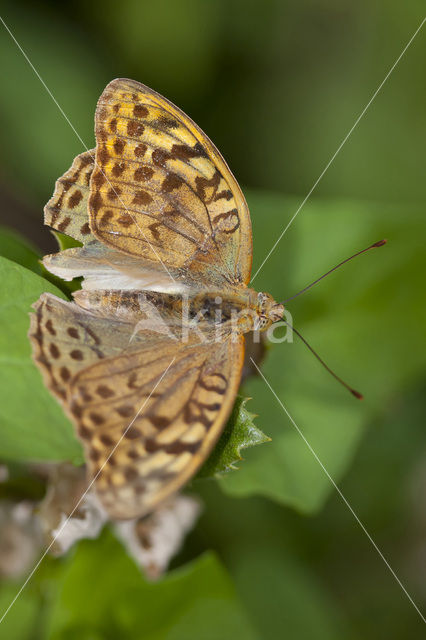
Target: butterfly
{"x": 147, "y": 359}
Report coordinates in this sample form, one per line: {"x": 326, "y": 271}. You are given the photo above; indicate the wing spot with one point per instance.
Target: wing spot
{"x": 140, "y": 150}
{"x": 49, "y": 326}
{"x": 151, "y": 446}
{"x": 169, "y": 123}
{"x": 104, "y": 391}
{"x": 54, "y": 351}
{"x": 132, "y": 433}
{"x": 141, "y": 198}
{"x": 119, "y": 146}
{"x": 185, "y": 152}
{"x": 103, "y": 154}
{"x": 76, "y": 354}
{"x": 135, "y": 128}
{"x": 107, "y": 440}
{"x": 75, "y": 199}
{"x": 118, "y": 169}
{"x": 73, "y": 333}
{"x": 126, "y": 410}
{"x": 96, "y": 418}
{"x": 64, "y": 224}
{"x": 85, "y": 229}
{"x": 130, "y": 474}
{"x": 139, "y": 111}
{"x": 181, "y": 447}
{"x": 106, "y": 218}
{"x": 113, "y": 193}
{"x": 171, "y": 181}
{"x": 113, "y": 125}
{"x": 126, "y": 220}
{"x": 98, "y": 179}
{"x": 154, "y": 230}
{"x": 96, "y": 455}
{"x": 96, "y": 201}
{"x": 160, "y": 422}
{"x": 65, "y": 374}
{"x": 143, "y": 173}
{"x": 226, "y": 195}
{"x": 84, "y": 432}
{"x": 76, "y": 410}
{"x": 160, "y": 157}
{"x": 102, "y": 134}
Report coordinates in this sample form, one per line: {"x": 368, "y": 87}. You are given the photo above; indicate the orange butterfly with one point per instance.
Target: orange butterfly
{"x": 147, "y": 359}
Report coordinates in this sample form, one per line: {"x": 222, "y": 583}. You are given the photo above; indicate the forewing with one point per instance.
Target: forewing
{"x": 101, "y": 266}
{"x": 164, "y": 409}
{"x": 161, "y": 190}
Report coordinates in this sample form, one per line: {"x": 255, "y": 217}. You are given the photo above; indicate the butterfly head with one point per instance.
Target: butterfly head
{"x": 267, "y": 310}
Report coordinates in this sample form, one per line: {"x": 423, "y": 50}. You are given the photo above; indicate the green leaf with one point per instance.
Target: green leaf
{"x": 33, "y": 425}
{"x": 239, "y": 433}
{"x": 21, "y": 619}
{"x": 17, "y": 248}
{"x": 277, "y": 578}
{"x": 64, "y": 241}
{"x": 103, "y": 593}
{"x": 299, "y": 605}
{"x": 365, "y": 321}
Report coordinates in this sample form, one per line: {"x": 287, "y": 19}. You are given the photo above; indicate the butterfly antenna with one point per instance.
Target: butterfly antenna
{"x": 373, "y": 246}
{"x": 355, "y": 393}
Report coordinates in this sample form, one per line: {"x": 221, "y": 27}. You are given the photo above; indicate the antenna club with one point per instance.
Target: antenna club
{"x": 357, "y": 394}
{"x": 378, "y": 244}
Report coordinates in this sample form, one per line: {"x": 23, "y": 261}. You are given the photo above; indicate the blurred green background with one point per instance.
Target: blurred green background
{"x": 276, "y": 85}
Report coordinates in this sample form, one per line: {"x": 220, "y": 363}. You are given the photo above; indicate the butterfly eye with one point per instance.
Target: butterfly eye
{"x": 263, "y": 321}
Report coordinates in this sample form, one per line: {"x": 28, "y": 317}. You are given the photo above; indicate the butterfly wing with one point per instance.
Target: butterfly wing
{"x": 147, "y": 408}
{"x": 66, "y": 210}
{"x": 66, "y": 338}
{"x": 158, "y": 416}
{"x": 161, "y": 190}
{"x": 101, "y": 266}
